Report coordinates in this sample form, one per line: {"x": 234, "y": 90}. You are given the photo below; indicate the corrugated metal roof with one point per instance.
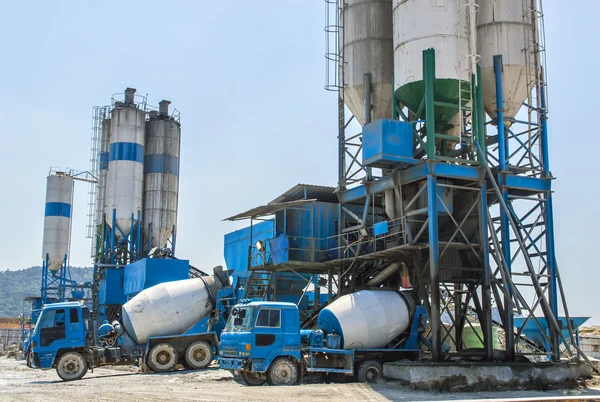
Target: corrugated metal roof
{"x": 265, "y": 210}
{"x": 307, "y": 191}
{"x": 297, "y": 195}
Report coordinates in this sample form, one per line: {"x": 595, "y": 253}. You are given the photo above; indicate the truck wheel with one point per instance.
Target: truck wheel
{"x": 282, "y": 372}
{"x": 71, "y": 366}
{"x": 253, "y": 379}
{"x": 162, "y": 358}
{"x": 370, "y": 371}
{"x": 199, "y": 355}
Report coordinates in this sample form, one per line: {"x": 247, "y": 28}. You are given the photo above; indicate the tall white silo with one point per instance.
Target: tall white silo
{"x": 368, "y": 49}
{"x": 505, "y": 28}
{"x": 125, "y": 176}
{"x": 161, "y": 177}
{"x": 442, "y": 25}
{"x": 57, "y": 220}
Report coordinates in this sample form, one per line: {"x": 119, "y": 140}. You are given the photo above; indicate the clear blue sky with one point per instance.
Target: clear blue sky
{"x": 248, "y": 79}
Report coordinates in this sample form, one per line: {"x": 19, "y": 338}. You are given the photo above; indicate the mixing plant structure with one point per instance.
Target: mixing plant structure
{"x": 444, "y": 191}
{"x": 135, "y": 155}
{"x": 456, "y": 206}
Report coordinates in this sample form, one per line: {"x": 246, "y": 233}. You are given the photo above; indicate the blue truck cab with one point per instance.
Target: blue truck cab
{"x": 259, "y": 335}
{"x": 60, "y": 338}
{"x": 263, "y": 342}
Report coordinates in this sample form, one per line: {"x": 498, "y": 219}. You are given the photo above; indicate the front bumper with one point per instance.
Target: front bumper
{"x": 228, "y": 363}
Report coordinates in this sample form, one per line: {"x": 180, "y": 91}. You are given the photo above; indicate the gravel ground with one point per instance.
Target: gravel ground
{"x": 20, "y": 383}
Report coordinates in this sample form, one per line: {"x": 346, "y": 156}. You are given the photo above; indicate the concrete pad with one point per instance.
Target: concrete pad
{"x": 484, "y": 376}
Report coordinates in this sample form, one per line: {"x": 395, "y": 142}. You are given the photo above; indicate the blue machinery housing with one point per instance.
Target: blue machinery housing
{"x": 465, "y": 227}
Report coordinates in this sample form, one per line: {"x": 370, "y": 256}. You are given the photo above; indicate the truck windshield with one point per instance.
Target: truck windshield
{"x": 241, "y": 319}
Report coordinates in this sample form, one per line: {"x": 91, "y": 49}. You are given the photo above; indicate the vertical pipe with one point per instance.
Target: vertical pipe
{"x": 551, "y": 257}
{"x": 173, "y": 241}
{"x": 436, "y": 334}
{"x": 486, "y": 294}
{"x": 475, "y": 113}
{"x": 395, "y": 114}
{"x": 250, "y": 249}
{"x": 341, "y": 144}
{"x": 317, "y": 291}
{"x": 429, "y": 77}
{"x": 549, "y": 212}
{"x": 138, "y": 241}
{"x": 480, "y": 111}
{"x": 340, "y": 238}
{"x": 458, "y": 316}
{"x": 367, "y": 93}
{"x": 329, "y": 285}
{"x": 502, "y": 143}
{"x": 112, "y": 236}
{"x": 504, "y": 223}
{"x": 544, "y": 124}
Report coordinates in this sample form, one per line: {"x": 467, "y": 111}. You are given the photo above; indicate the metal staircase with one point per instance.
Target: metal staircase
{"x": 258, "y": 284}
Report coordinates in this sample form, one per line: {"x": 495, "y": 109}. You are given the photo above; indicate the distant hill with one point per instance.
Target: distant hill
{"x": 16, "y": 285}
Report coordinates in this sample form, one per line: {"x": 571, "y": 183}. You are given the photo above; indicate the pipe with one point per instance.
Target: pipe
{"x": 502, "y": 145}
{"x": 163, "y": 108}
{"x": 384, "y": 274}
{"x": 367, "y": 85}
{"x": 130, "y": 96}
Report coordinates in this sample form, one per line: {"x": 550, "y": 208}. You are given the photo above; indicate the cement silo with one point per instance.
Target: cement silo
{"x": 161, "y": 177}
{"x": 505, "y": 28}
{"x": 367, "y": 49}
{"x": 125, "y": 176}
{"x": 442, "y": 25}
{"x": 57, "y": 220}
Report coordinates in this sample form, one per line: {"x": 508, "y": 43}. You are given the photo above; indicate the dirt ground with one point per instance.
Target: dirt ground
{"x": 20, "y": 383}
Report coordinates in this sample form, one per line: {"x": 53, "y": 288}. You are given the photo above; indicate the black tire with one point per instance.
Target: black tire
{"x": 199, "y": 355}
{"x": 163, "y": 358}
{"x": 283, "y": 371}
{"x": 370, "y": 371}
{"x": 253, "y": 379}
{"x": 71, "y": 366}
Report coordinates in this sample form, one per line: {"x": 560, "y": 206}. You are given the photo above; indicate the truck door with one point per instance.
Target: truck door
{"x": 53, "y": 327}
{"x": 267, "y": 332}
{"x": 76, "y": 333}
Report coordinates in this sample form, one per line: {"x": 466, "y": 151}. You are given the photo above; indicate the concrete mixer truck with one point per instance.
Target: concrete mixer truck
{"x": 152, "y": 327}
{"x": 356, "y": 334}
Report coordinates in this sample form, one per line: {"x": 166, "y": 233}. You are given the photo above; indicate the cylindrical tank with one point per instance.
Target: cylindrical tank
{"x": 57, "y": 219}
{"x": 424, "y": 24}
{"x": 367, "y": 33}
{"x": 505, "y": 28}
{"x": 161, "y": 177}
{"x": 366, "y": 319}
{"x": 125, "y": 176}
{"x": 169, "y": 308}
{"x": 102, "y": 170}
